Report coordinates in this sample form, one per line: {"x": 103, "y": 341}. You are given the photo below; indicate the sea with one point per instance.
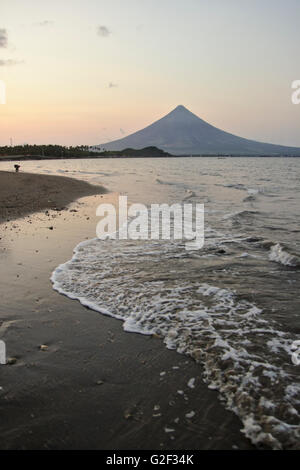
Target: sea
{"x": 233, "y": 304}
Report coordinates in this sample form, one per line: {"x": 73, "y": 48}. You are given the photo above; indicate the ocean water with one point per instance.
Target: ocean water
{"x": 232, "y": 305}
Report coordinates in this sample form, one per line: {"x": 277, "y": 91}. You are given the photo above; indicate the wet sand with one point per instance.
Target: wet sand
{"x": 25, "y": 193}
{"x": 91, "y": 385}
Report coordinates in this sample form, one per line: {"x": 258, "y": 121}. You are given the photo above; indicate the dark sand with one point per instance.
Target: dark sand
{"x": 94, "y": 386}
{"x": 25, "y": 193}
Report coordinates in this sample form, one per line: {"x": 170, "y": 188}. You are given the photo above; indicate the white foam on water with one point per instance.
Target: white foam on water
{"x": 280, "y": 255}
{"x": 252, "y": 191}
{"x": 240, "y": 214}
{"x": 190, "y": 415}
{"x": 148, "y": 285}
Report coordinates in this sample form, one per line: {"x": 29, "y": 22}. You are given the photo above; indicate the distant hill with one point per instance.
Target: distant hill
{"x": 183, "y": 133}
{"x": 144, "y": 152}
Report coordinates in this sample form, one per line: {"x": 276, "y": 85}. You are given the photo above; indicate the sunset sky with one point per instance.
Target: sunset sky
{"x": 90, "y": 71}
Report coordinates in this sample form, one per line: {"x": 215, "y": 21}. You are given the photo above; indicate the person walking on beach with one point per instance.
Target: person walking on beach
{"x": 17, "y": 168}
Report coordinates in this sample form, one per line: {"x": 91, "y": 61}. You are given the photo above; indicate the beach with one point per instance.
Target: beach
{"x": 149, "y": 228}
{"x": 74, "y": 378}
{"x": 24, "y": 193}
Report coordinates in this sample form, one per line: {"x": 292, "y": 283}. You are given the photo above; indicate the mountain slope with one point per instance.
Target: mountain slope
{"x": 183, "y": 133}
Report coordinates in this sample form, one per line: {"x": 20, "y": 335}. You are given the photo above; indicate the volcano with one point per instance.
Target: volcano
{"x": 183, "y": 133}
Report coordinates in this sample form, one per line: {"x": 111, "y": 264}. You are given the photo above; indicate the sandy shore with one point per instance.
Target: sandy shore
{"x": 92, "y": 386}
{"x": 25, "y": 193}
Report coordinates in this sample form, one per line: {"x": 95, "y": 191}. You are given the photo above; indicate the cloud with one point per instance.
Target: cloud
{"x": 122, "y": 131}
{"x": 103, "y": 31}
{"x": 112, "y": 85}
{"x": 3, "y": 38}
{"x": 44, "y": 23}
{"x": 10, "y": 62}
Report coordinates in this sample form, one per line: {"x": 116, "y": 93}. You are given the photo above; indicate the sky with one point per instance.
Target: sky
{"x": 90, "y": 71}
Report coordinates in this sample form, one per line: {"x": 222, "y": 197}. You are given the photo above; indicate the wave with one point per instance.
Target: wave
{"x": 234, "y": 186}
{"x": 280, "y": 255}
{"x": 240, "y": 186}
{"x": 148, "y": 285}
{"x": 173, "y": 183}
{"x": 169, "y": 183}
{"x": 249, "y": 198}
{"x": 241, "y": 214}
{"x": 189, "y": 194}
{"x": 252, "y": 193}
{"x": 102, "y": 173}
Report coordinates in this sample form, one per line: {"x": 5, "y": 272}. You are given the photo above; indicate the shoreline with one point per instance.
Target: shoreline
{"x": 25, "y": 193}
{"x": 92, "y": 385}
{"x": 22, "y": 158}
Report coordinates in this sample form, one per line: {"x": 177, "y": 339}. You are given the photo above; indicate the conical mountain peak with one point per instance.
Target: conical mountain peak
{"x": 182, "y": 132}
{"x": 180, "y": 107}
{"x": 181, "y": 114}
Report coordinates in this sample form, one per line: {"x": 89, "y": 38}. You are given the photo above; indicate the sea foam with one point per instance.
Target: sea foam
{"x": 282, "y": 256}
{"x": 150, "y": 287}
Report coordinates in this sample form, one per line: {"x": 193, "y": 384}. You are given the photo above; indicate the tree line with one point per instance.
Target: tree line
{"x": 40, "y": 152}
{"x": 50, "y": 151}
